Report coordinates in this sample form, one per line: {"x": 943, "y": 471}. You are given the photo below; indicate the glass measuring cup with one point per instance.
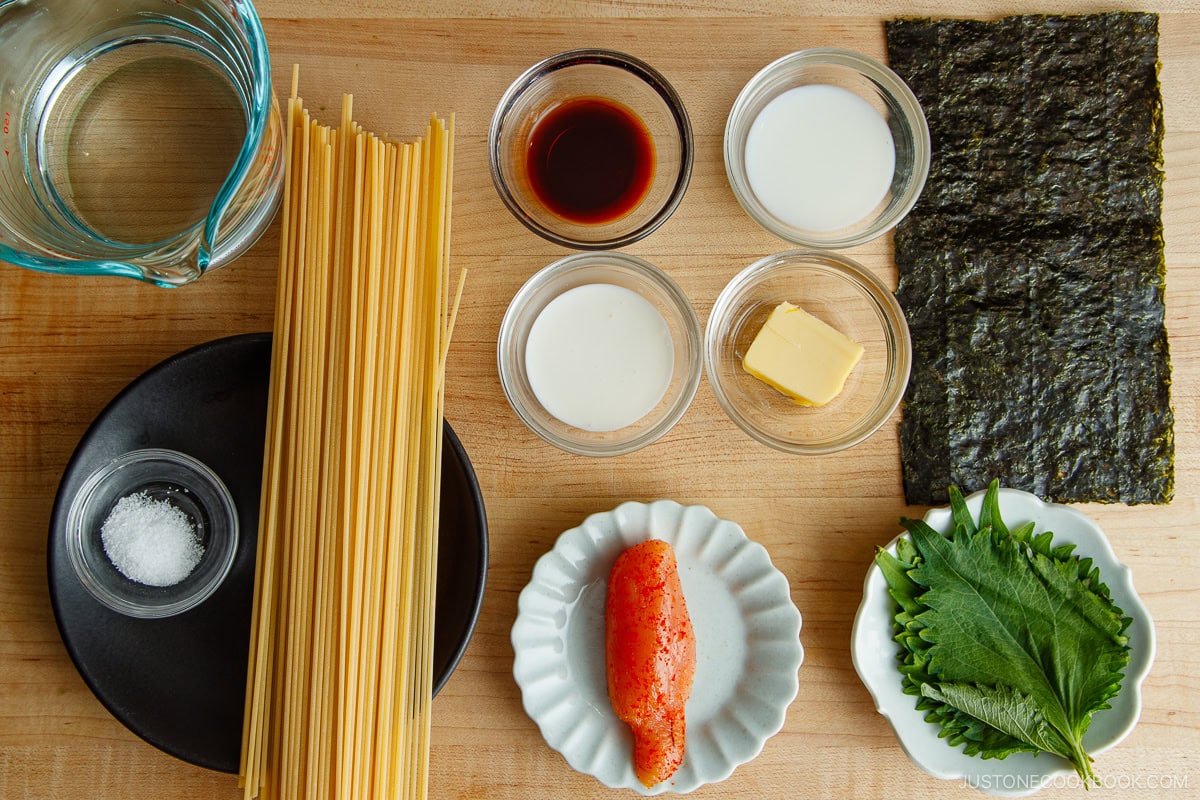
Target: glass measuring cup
{"x": 137, "y": 137}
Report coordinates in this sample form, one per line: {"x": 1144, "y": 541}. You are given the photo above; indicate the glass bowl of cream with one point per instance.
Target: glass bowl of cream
{"x": 152, "y": 533}
{"x": 827, "y": 148}
{"x": 599, "y": 354}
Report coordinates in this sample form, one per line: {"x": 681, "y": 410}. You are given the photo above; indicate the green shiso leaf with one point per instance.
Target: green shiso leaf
{"x": 1009, "y": 642}
{"x": 1004, "y": 709}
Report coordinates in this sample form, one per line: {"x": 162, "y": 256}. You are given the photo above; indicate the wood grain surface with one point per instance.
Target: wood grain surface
{"x": 69, "y": 344}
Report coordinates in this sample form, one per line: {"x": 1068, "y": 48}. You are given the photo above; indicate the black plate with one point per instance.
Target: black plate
{"x": 180, "y": 682}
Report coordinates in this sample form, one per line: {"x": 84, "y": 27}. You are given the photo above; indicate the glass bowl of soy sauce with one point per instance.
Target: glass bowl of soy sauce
{"x": 591, "y": 149}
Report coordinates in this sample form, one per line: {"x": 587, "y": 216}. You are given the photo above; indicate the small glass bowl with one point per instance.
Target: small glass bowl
{"x": 876, "y": 84}
{"x": 164, "y": 475}
{"x": 839, "y": 292}
{"x": 617, "y": 269}
{"x": 580, "y": 74}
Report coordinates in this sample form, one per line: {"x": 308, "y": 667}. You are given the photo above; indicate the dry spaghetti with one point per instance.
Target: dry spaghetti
{"x": 339, "y": 680}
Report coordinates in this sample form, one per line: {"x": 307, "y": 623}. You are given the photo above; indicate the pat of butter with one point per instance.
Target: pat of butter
{"x": 802, "y": 356}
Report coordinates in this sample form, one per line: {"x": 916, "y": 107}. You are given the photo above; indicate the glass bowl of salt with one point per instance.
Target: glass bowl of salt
{"x": 827, "y": 148}
{"x": 152, "y": 533}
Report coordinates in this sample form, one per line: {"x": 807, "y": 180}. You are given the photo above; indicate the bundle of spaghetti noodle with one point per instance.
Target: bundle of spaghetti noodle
{"x": 339, "y": 680}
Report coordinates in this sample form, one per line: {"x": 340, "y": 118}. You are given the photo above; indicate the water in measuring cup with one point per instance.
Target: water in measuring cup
{"x": 140, "y": 137}
{"x": 138, "y": 141}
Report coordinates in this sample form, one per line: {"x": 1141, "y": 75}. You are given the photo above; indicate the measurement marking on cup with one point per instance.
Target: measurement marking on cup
{"x": 7, "y": 120}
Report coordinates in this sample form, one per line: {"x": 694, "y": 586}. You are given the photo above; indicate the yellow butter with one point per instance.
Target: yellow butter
{"x": 802, "y": 356}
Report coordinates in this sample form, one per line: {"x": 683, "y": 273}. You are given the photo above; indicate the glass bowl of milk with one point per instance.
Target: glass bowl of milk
{"x": 827, "y": 148}
{"x": 833, "y": 302}
{"x": 600, "y": 353}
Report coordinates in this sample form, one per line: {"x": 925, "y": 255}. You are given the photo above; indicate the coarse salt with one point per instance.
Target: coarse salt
{"x": 150, "y": 541}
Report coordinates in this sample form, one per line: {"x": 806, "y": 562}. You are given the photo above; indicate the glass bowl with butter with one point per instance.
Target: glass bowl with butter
{"x": 807, "y": 352}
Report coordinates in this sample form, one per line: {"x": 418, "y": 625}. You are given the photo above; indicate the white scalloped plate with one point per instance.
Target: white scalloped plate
{"x": 748, "y": 650}
{"x": 874, "y": 655}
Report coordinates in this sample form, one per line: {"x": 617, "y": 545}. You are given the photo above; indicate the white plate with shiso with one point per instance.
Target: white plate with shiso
{"x": 875, "y": 658}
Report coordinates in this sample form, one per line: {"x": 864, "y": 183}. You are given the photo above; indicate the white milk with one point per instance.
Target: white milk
{"x": 599, "y": 357}
{"x": 819, "y": 157}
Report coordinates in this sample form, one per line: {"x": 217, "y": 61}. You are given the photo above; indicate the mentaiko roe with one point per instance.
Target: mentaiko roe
{"x": 650, "y": 656}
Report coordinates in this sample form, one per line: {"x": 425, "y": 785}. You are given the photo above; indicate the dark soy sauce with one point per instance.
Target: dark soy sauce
{"x": 590, "y": 160}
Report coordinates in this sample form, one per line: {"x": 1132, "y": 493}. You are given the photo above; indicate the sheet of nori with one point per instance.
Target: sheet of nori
{"x": 1032, "y": 270}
